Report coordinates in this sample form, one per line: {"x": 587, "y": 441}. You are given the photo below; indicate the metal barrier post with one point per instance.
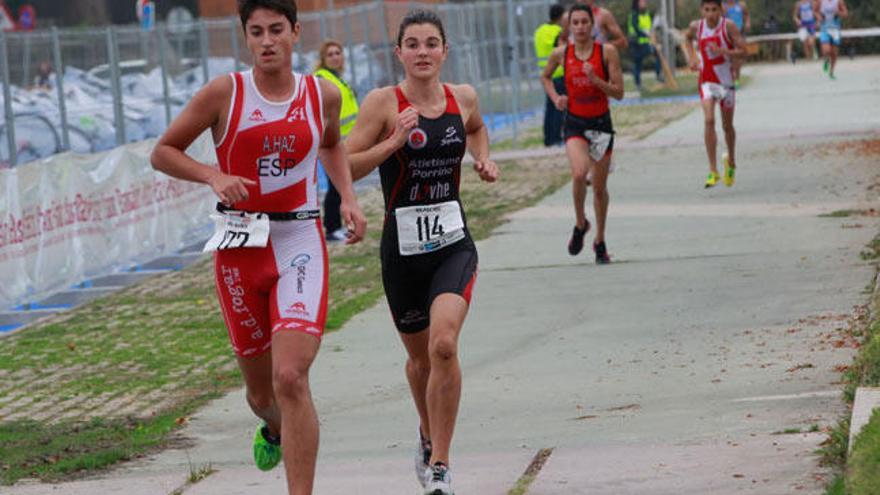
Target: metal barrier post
{"x": 59, "y": 85}
{"x": 514, "y": 64}
{"x": 203, "y": 49}
{"x": 484, "y": 54}
{"x": 26, "y": 63}
{"x": 389, "y": 65}
{"x": 116, "y": 86}
{"x": 670, "y": 25}
{"x": 236, "y": 51}
{"x": 7, "y": 102}
{"x": 348, "y": 43}
{"x": 365, "y": 25}
{"x": 163, "y": 64}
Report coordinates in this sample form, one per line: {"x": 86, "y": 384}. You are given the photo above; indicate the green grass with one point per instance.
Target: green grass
{"x": 863, "y": 465}
{"x": 865, "y": 370}
{"x": 630, "y": 121}
{"x": 873, "y": 251}
{"x": 861, "y": 471}
{"x": 836, "y": 487}
{"x": 52, "y": 451}
{"x": 839, "y": 214}
{"x": 522, "y": 486}
{"x": 687, "y": 85}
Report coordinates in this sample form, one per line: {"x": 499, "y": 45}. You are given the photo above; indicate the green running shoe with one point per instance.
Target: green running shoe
{"x": 711, "y": 180}
{"x": 267, "y": 454}
{"x": 729, "y": 172}
{"x": 826, "y": 66}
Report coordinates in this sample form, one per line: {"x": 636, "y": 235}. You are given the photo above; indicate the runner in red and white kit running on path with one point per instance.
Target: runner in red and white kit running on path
{"x": 592, "y": 74}
{"x": 270, "y": 125}
{"x": 719, "y": 42}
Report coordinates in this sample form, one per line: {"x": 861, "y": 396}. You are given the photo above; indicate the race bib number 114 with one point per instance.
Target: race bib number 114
{"x": 424, "y": 229}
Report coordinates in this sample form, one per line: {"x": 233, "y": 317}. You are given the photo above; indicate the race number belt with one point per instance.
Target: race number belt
{"x": 426, "y": 228}
{"x": 276, "y": 216}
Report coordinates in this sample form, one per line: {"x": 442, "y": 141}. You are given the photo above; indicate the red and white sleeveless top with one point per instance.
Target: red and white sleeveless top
{"x": 585, "y": 99}
{"x": 715, "y": 67}
{"x": 275, "y": 144}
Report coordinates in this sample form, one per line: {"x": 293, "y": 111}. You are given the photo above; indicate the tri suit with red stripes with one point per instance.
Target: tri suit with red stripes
{"x": 282, "y": 287}
{"x": 425, "y": 171}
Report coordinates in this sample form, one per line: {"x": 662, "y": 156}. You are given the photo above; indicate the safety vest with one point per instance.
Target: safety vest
{"x": 349, "y": 113}
{"x": 644, "y": 26}
{"x": 545, "y": 41}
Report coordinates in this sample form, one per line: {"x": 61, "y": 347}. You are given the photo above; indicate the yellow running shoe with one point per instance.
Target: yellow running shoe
{"x": 711, "y": 180}
{"x": 729, "y": 172}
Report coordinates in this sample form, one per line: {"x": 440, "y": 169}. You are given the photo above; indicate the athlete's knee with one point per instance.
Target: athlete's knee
{"x": 261, "y": 399}
{"x": 418, "y": 366}
{"x": 728, "y": 126}
{"x": 443, "y": 349}
{"x": 290, "y": 382}
{"x": 709, "y": 121}
{"x": 600, "y": 192}
{"x": 579, "y": 175}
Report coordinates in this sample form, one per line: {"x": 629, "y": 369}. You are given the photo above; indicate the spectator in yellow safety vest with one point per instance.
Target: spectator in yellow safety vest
{"x": 641, "y": 37}
{"x": 547, "y": 37}
{"x": 331, "y": 66}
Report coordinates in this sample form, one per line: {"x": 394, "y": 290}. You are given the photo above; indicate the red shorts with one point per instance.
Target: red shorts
{"x": 281, "y": 287}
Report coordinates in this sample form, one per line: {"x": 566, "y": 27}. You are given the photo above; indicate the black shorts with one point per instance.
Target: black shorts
{"x": 575, "y": 127}
{"x": 413, "y": 282}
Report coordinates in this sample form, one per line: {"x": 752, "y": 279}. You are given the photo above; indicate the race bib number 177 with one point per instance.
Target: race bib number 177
{"x": 427, "y": 228}
{"x": 234, "y": 229}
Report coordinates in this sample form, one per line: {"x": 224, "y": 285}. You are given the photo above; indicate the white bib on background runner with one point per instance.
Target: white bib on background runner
{"x": 714, "y": 90}
{"x": 237, "y": 229}
{"x": 426, "y": 228}
{"x": 599, "y": 142}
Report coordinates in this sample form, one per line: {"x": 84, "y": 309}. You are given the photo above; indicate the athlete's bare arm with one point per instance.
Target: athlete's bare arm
{"x": 817, "y": 11}
{"x": 553, "y": 61}
{"x": 608, "y": 24}
{"x": 333, "y": 157}
{"x": 369, "y": 143}
{"x": 796, "y": 15}
{"x": 747, "y": 18}
{"x": 690, "y": 54}
{"x": 842, "y": 10}
{"x": 206, "y": 110}
{"x": 613, "y": 87}
{"x": 737, "y": 39}
{"x": 477, "y": 134}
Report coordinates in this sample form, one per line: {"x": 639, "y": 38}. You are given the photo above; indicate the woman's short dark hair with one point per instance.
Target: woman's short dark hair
{"x": 718, "y": 2}
{"x": 579, "y": 7}
{"x": 420, "y": 17}
{"x": 287, "y": 8}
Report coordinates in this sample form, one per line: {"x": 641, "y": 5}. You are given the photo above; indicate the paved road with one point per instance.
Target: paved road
{"x": 667, "y": 372}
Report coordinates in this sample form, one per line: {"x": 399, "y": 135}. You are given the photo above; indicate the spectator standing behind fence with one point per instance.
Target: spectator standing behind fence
{"x": 641, "y": 38}
{"x": 43, "y": 80}
{"x": 331, "y": 66}
{"x": 547, "y": 37}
